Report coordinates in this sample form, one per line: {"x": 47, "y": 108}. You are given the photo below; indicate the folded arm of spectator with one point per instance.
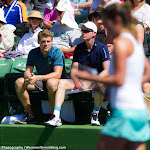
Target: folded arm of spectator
{"x": 49, "y": 24}
{"x": 84, "y": 5}
{"x": 56, "y": 74}
{"x": 31, "y": 78}
{"x": 70, "y": 50}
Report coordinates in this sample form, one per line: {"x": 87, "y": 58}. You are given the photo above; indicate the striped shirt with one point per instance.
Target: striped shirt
{"x": 17, "y": 14}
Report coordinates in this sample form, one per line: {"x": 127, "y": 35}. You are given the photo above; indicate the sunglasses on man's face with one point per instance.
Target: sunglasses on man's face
{"x": 59, "y": 12}
{"x": 32, "y": 18}
{"x": 86, "y": 31}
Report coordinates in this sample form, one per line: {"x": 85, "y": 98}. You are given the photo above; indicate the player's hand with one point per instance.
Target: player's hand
{"x": 84, "y": 75}
{"x": 79, "y": 85}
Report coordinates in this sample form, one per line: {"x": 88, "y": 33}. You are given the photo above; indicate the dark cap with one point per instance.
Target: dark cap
{"x": 98, "y": 10}
{"x": 96, "y": 13}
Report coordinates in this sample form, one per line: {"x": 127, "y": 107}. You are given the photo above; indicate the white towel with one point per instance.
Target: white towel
{"x": 68, "y": 18}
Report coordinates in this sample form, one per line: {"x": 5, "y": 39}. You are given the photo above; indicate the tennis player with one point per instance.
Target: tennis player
{"x": 128, "y": 127}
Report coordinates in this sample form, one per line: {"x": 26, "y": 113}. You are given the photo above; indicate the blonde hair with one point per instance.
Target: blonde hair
{"x": 45, "y": 33}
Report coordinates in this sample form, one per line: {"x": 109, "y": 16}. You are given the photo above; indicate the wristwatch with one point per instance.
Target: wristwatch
{"x": 0, "y": 35}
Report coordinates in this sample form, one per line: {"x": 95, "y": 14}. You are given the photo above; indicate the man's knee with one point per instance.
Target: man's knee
{"x": 19, "y": 82}
{"x": 52, "y": 84}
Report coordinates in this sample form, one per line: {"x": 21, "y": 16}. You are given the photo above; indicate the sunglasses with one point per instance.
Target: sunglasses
{"x": 59, "y": 12}
{"x": 86, "y": 31}
{"x": 32, "y": 18}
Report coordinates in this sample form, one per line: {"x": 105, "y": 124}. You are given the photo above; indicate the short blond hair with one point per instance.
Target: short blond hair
{"x": 45, "y": 33}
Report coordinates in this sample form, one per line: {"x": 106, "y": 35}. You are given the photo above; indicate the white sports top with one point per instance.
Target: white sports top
{"x": 130, "y": 94}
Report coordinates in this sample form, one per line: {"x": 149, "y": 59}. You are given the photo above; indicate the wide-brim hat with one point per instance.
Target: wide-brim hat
{"x": 35, "y": 14}
{"x": 2, "y": 19}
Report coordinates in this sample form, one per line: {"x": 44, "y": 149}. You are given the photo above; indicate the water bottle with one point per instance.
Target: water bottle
{"x": 11, "y": 110}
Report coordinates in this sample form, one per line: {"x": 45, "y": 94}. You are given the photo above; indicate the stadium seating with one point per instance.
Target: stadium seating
{"x": 80, "y": 18}
{"x": 15, "y": 69}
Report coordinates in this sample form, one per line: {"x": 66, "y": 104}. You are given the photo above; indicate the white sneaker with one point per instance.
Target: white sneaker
{"x": 53, "y": 121}
{"x": 94, "y": 120}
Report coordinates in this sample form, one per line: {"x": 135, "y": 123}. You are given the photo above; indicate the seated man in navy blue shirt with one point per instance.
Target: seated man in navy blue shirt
{"x": 90, "y": 53}
{"x": 49, "y": 62}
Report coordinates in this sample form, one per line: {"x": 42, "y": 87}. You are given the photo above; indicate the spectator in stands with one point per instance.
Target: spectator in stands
{"x": 66, "y": 32}
{"x": 91, "y": 53}
{"x": 94, "y": 5}
{"x": 82, "y": 7}
{"x": 48, "y": 61}
{"x": 15, "y": 12}
{"x": 148, "y": 2}
{"x": 141, "y": 11}
{"x": 29, "y": 40}
{"x": 38, "y": 5}
{"x": 105, "y": 3}
{"x": 141, "y": 35}
{"x": 50, "y": 13}
{"x": 6, "y": 34}
{"x": 96, "y": 18}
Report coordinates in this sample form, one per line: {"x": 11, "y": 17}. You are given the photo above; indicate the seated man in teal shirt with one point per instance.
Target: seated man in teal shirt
{"x": 49, "y": 62}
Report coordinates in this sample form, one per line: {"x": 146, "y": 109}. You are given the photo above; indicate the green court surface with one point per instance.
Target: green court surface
{"x": 73, "y": 137}
{"x": 70, "y": 137}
